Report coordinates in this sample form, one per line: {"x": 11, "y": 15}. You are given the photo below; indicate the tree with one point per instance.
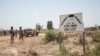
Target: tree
{"x": 38, "y": 27}
{"x": 49, "y": 25}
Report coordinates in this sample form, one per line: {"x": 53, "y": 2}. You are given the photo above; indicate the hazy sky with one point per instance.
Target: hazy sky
{"x": 27, "y": 13}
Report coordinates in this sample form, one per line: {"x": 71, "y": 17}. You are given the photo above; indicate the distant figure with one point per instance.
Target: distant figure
{"x": 37, "y": 33}
{"x": 16, "y": 33}
{"x": 21, "y": 34}
{"x": 5, "y": 33}
{"x": 12, "y": 35}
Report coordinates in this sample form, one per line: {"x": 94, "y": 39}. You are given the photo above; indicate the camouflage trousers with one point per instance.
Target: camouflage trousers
{"x": 21, "y": 37}
{"x": 12, "y": 39}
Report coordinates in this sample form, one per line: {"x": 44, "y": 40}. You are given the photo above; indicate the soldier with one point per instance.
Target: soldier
{"x": 21, "y": 34}
{"x": 12, "y": 35}
{"x": 37, "y": 33}
{"x": 4, "y": 32}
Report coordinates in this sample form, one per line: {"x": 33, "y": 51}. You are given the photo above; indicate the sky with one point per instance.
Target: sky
{"x": 27, "y": 13}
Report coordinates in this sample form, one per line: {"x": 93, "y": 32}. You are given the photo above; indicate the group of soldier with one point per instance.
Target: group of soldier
{"x": 14, "y": 33}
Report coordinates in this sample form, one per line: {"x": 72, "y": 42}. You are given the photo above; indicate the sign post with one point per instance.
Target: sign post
{"x": 60, "y": 40}
{"x": 84, "y": 43}
{"x": 73, "y": 23}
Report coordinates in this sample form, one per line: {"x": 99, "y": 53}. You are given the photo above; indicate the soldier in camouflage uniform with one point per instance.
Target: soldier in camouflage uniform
{"x": 21, "y": 34}
{"x": 37, "y": 32}
{"x": 12, "y": 35}
{"x": 5, "y": 33}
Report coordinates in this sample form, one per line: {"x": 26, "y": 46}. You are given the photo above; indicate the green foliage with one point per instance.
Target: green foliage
{"x": 65, "y": 52}
{"x": 96, "y": 38}
{"x": 38, "y": 27}
{"x": 97, "y": 50}
{"x": 61, "y": 37}
{"x": 50, "y": 36}
{"x": 74, "y": 54}
{"x": 90, "y": 52}
{"x": 49, "y": 25}
{"x": 93, "y": 52}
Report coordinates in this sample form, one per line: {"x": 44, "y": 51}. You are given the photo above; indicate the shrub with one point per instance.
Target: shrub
{"x": 93, "y": 52}
{"x": 74, "y": 54}
{"x": 89, "y": 52}
{"x": 63, "y": 52}
{"x": 50, "y": 36}
{"x": 97, "y": 50}
{"x": 61, "y": 37}
{"x": 96, "y": 38}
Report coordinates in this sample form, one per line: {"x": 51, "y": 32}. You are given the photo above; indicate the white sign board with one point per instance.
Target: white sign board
{"x": 71, "y": 22}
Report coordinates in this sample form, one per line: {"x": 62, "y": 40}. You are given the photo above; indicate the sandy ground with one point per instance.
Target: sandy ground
{"x": 5, "y": 40}
{"x": 36, "y": 43}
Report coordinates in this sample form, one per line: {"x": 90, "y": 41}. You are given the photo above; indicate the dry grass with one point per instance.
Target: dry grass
{"x": 36, "y": 45}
